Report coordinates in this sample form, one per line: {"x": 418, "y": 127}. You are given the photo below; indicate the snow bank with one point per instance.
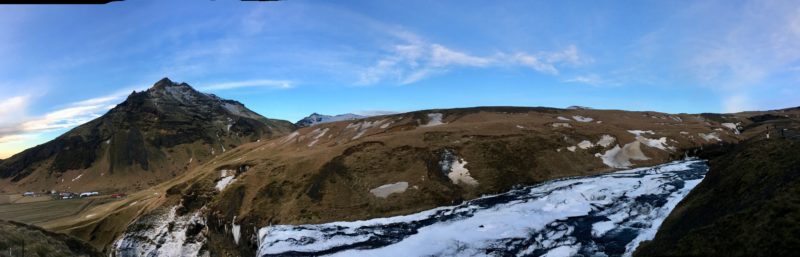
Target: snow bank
{"x": 621, "y": 157}
{"x": 460, "y": 175}
{"x": 388, "y": 189}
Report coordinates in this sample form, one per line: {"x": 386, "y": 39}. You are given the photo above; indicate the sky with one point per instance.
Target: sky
{"x": 61, "y": 66}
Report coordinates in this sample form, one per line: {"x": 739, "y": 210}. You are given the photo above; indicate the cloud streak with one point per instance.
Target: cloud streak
{"x": 258, "y": 83}
{"x": 415, "y": 59}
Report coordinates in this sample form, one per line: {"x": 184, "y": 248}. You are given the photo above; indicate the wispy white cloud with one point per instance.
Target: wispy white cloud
{"x": 591, "y": 79}
{"x": 415, "y": 59}
{"x": 20, "y": 127}
{"x": 259, "y": 83}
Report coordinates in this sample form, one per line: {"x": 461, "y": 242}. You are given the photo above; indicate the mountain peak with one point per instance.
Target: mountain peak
{"x": 162, "y": 84}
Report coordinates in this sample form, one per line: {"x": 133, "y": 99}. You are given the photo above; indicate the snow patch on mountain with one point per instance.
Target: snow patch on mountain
{"x": 621, "y": 157}
{"x": 388, "y": 189}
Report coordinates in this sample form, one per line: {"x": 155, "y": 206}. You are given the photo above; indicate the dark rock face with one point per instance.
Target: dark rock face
{"x": 136, "y": 131}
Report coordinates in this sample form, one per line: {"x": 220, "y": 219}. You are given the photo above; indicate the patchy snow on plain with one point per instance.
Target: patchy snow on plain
{"x": 572, "y": 148}
{"x": 388, "y": 189}
{"x": 620, "y": 210}
{"x": 579, "y": 118}
{"x": 562, "y": 118}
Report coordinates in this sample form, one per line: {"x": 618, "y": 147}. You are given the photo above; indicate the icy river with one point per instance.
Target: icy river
{"x": 601, "y": 215}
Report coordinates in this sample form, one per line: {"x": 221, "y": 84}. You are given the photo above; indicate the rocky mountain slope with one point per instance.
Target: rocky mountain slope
{"x": 405, "y": 163}
{"x": 316, "y": 118}
{"x": 150, "y": 137}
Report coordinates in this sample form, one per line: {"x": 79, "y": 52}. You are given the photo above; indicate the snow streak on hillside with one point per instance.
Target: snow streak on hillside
{"x": 604, "y": 214}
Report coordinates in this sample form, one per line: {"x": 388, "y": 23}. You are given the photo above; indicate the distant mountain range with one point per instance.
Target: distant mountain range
{"x": 316, "y": 118}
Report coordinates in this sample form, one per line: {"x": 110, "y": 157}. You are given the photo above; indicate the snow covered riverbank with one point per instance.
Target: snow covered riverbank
{"x": 604, "y": 214}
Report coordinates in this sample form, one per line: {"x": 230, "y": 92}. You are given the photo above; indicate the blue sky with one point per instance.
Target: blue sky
{"x": 63, "y": 65}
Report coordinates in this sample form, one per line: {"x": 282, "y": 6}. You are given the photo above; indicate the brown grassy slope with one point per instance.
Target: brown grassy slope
{"x": 325, "y": 172}
{"x": 748, "y": 204}
{"x": 38, "y": 242}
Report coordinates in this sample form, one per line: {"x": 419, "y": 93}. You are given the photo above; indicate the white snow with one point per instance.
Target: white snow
{"x": 606, "y": 140}
{"x": 585, "y": 144}
{"x": 660, "y": 143}
{"x": 520, "y": 127}
{"x": 562, "y": 118}
{"x": 290, "y": 137}
{"x": 435, "y": 119}
{"x": 388, "y": 189}
{"x": 561, "y": 125}
{"x": 571, "y": 148}
{"x": 579, "y": 118}
{"x": 236, "y": 230}
{"x": 459, "y": 174}
{"x": 710, "y": 136}
{"x": 536, "y": 215}
{"x": 561, "y": 251}
{"x": 641, "y": 132}
{"x": 732, "y": 126}
{"x": 621, "y": 157}
{"x": 77, "y": 178}
{"x": 227, "y": 177}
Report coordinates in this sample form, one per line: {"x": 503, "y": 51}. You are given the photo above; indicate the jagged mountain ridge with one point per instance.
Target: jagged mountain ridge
{"x": 161, "y": 130}
{"x": 316, "y": 118}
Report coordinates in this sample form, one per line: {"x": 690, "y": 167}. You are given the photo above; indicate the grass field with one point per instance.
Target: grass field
{"x": 39, "y": 212}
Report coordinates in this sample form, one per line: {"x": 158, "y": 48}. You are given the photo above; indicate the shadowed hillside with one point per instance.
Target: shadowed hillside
{"x": 748, "y": 205}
